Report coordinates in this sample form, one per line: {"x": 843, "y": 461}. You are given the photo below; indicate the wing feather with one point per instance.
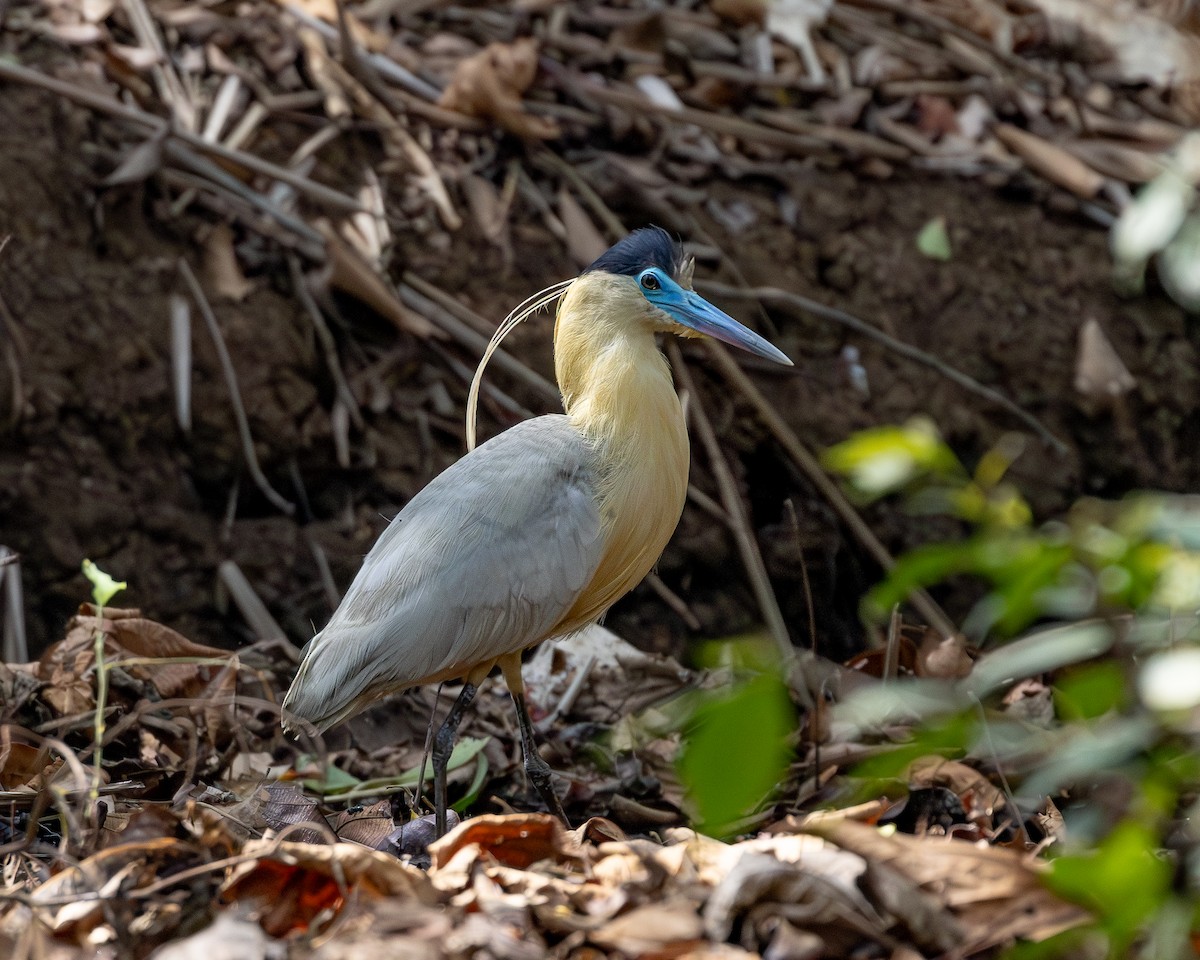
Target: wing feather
{"x": 484, "y": 561}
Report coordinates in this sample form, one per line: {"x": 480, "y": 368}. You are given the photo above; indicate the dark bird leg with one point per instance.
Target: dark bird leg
{"x": 536, "y": 769}
{"x": 443, "y": 746}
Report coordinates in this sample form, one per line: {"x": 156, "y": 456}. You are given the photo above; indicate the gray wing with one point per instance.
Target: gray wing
{"x": 484, "y": 561}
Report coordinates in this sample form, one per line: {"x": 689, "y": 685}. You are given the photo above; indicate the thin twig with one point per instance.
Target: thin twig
{"x": 708, "y": 505}
{"x": 747, "y": 545}
{"x": 247, "y": 600}
{"x": 389, "y": 68}
{"x": 612, "y": 223}
{"x": 181, "y": 359}
{"x": 891, "y": 650}
{"x": 941, "y": 26}
{"x": 489, "y": 390}
{"x": 787, "y": 298}
{"x": 328, "y": 344}
{"x": 640, "y": 105}
{"x": 673, "y": 600}
{"x": 448, "y": 303}
{"x": 170, "y": 88}
{"x": 239, "y": 411}
{"x": 14, "y": 352}
{"x": 15, "y": 646}
{"x": 189, "y": 159}
{"x": 829, "y": 490}
{"x": 316, "y": 192}
{"x": 476, "y": 342}
{"x": 794, "y": 525}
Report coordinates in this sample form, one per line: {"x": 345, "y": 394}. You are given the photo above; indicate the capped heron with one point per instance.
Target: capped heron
{"x": 538, "y": 531}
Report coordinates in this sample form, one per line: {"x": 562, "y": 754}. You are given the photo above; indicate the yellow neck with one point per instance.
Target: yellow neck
{"x": 618, "y": 392}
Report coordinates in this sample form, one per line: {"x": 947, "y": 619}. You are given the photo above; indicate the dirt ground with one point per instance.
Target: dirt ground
{"x": 92, "y": 463}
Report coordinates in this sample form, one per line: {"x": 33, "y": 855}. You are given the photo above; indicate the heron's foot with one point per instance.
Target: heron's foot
{"x": 542, "y": 778}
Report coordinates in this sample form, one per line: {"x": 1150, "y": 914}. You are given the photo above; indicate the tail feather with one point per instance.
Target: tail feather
{"x": 323, "y": 693}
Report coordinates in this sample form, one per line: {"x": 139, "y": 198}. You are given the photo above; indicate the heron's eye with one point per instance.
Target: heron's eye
{"x": 650, "y": 281}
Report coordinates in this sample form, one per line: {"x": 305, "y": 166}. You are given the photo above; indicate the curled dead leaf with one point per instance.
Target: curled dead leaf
{"x": 291, "y": 885}
{"x": 221, "y": 265}
{"x": 944, "y": 657}
{"x": 490, "y": 85}
{"x": 516, "y": 841}
{"x": 352, "y": 273}
{"x": 660, "y": 929}
{"x": 995, "y": 894}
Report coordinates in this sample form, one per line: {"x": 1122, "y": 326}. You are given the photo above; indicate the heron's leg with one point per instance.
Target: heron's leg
{"x": 443, "y": 746}
{"x": 537, "y": 769}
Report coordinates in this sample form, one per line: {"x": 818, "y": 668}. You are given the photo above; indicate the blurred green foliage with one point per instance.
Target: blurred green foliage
{"x": 1142, "y": 553}
{"x": 1163, "y": 224}
{"x": 737, "y": 743}
{"x": 1121, "y": 749}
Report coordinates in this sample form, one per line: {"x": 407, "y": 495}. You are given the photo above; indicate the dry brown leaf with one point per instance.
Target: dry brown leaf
{"x": 662, "y": 929}
{"x": 221, "y": 265}
{"x": 320, "y": 68}
{"x": 489, "y": 209}
{"x": 280, "y": 805}
{"x": 965, "y": 782}
{"x": 936, "y": 116}
{"x": 229, "y": 937}
{"x": 1031, "y": 701}
{"x": 371, "y": 826}
{"x": 22, "y": 763}
{"x": 67, "y": 667}
{"x": 741, "y": 12}
{"x": 516, "y": 840}
{"x": 327, "y": 10}
{"x": 133, "y": 864}
{"x": 141, "y": 162}
{"x": 1100, "y": 375}
{"x": 292, "y": 884}
{"x": 995, "y": 893}
{"x": 1051, "y": 161}
{"x": 490, "y": 85}
{"x": 1145, "y": 47}
{"x": 597, "y": 830}
{"x": 584, "y": 241}
{"x": 1118, "y": 160}
{"x": 352, "y": 274}
{"x": 943, "y": 657}
{"x": 758, "y": 889}
{"x": 930, "y": 924}
{"x": 610, "y": 677}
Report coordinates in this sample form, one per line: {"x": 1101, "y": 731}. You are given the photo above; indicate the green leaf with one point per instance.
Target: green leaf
{"x": 343, "y": 786}
{"x": 1091, "y": 691}
{"x": 947, "y": 737}
{"x": 1124, "y": 880}
{"x": 476, "y": 787}
{"x": 335, "y": 780}
{"x": 884, "y": 459}
{"x": 737, "y": 751}
{"x": 933, "y": 240}
{"x": 104, "y": 587}
{"x": 916, "y": 569}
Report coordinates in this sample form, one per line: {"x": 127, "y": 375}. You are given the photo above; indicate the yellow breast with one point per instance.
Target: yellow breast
{"x": 618, "y": 392}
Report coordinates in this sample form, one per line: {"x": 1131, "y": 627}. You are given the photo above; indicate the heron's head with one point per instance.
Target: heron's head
{"x": 648, "y": 278}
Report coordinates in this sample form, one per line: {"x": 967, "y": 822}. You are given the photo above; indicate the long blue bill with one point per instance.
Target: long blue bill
{"x": 696, "y": 313}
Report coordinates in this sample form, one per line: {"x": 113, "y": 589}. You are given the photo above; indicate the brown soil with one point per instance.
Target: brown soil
{"x": 93, "y": 465}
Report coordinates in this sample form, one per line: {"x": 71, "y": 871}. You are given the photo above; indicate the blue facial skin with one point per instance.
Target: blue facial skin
{"x": 689, "y": 309}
